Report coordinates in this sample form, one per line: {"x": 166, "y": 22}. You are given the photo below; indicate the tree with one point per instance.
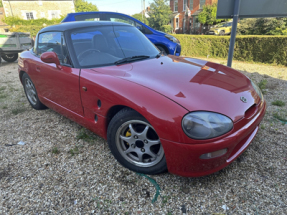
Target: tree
{"x": 263, "y": 26}
{"x": 139, "y": 17}
{"x": 1, "y": 4}
{"x": 159, "y": 14}
{"x": 83, "y": 6}
{"x": 208, "y": 15}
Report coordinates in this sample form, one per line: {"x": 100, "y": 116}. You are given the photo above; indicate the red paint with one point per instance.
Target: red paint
{"x": 162, "y": 90}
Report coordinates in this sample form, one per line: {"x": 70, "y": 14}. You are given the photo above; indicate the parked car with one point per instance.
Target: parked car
{"x": 166, "y": 43}
{"x": 188, "y": 116}
{"x": 13, "y": 43}
{"x": 221, "y": 29}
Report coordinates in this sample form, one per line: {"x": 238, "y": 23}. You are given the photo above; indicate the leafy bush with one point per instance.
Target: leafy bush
{"x": 33, "y": 29}
{"x": 166, "y": 28}
{"x": 10, "y": 20}
{"x": 265, "y": 49}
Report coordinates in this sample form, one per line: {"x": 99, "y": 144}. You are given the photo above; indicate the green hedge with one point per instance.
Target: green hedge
{"x": 11, "y": 20}
{"x": 33, "y": 29}
{"x": 264, "y": 49}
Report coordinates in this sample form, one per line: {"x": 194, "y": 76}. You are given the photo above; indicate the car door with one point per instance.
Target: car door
{"x": 59, "y": 86}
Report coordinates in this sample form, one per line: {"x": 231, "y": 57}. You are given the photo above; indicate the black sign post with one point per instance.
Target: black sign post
{"x": 227, "y": 9}
{"x": 233, "y": 32}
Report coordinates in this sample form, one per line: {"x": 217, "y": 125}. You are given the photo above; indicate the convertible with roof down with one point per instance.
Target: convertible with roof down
{"x": 158, "y": 113}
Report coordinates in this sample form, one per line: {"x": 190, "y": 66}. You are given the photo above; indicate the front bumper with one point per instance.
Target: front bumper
{"x": 184, "y": 159}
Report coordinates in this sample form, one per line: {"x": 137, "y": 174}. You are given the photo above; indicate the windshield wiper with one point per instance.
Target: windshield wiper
{"x": 129, "y": 59}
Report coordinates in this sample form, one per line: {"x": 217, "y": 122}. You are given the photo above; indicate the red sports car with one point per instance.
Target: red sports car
{"x": 158, "y": 113}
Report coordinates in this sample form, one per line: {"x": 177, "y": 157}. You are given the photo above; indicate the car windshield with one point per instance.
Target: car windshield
{"x": 109, "y": 45}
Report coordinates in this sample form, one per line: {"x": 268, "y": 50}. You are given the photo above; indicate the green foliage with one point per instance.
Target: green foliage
{"x": 10, "y": 20}
{"x": 208, "y": 15}
{"x": 264, "y": 49}
{"x": 280, "y": 117}
{"x": 139, "y": 17}
{"x": 262, "y": 85}
{"x": 263, "y": 26}
{"x": 83, "y": 135}
{"x": 1, "y": 4}
{"x": 159, "y": 14}
{"x": 278, "y": 103}
{"x": 166, "y": 28}
{"x": 33, "y": 29}
{"x": 55, "y": 150}
{"x": 74, "y": 151}
{"x": 84, "y": 6}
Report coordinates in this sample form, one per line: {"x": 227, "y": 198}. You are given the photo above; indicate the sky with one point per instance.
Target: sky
{"x": 128, "y": 7}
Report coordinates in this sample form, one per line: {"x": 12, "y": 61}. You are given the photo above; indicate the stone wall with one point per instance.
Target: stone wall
{"x": 39, "y": 9}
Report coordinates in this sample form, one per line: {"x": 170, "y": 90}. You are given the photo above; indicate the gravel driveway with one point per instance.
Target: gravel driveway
{"x": 65, "y": 169}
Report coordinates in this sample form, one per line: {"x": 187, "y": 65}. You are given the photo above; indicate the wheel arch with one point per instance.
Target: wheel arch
{"x": 164, "y": 47}
{"x": 21, "y": 73}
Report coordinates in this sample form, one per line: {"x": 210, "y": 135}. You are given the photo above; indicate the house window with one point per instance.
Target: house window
{"x": 175, "y": 5}
{"x": 54, "y": 14}
{"x": 29, "y": 15}
{"x": 201, "y": 4}
{"x": 184, "y": 5}
{"x": 176, "y": 23}
{"x": 190, "y": 4}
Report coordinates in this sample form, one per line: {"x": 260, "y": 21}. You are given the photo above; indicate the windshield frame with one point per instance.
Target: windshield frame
{"x": 67, "y": 35}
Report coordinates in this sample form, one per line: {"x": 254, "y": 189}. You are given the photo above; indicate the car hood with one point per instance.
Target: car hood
{"x": 192, "y": 83}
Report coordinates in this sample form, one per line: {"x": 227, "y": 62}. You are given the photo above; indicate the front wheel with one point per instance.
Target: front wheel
{"x": 10, "y": 57}
{"x": 135, "y": 143}
{"x": 162, "y": 50}
{"x": 31, "y": 93}
{"x": 221, "y": 33}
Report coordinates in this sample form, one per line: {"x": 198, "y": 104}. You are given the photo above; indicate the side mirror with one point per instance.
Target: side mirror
{"x": 51, "y": 57}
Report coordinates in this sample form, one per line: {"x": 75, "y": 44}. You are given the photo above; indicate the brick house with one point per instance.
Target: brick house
{"x": 182, "y": 22}
{"x": 35, "y": 9}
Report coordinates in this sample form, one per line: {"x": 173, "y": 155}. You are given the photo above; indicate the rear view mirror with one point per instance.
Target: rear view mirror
{"x": 51, "y": 57}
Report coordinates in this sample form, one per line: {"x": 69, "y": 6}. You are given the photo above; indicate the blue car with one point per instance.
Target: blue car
{"x": 164, "y": 42}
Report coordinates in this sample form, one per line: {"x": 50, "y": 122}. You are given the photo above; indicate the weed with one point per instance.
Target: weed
{"x": 55, "y": 150}
{"x": 82, "y": 135}
{"x": 278, "y": 103}
{"x": 5, "y": 107}
{"x": 2, "y": 88}
{"x": 74, "y": 151}
{"x": 18, "y": 110}
{"x": 262, "y": 85}
{"x": 280, "y": 117}
{"x": 3, "y": 96}
{"x": 262, "y": 126}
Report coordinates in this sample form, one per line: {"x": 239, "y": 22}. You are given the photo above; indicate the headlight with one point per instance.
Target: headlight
{"x": 171, "y": 38}
{"x": 203, "y": 125}
{"x": 257, "y": 89}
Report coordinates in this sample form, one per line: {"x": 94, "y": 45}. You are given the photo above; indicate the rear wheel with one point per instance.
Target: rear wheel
{"x": 135, "y": 143}
{"x": 10, "y": 57}
{"x": 221, "y": 33}
{"x": 31, "y": 93}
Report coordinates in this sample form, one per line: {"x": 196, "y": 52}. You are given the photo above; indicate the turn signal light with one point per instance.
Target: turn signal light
{"x": 213, "y": 154}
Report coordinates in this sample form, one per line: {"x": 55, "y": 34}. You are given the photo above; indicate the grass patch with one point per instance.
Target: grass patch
{"x": 3, "y": 96}
{"x": 83, "y": 135}
{"x": 18, "y": 110}
{"x": 278, "y": 103}
{"x": 280, "y": 117}
{"x": 55, "y": 150}
{"x": 74, "y": 151}
{"x": 5, "y": 107}
{"x": 262, "y": 84}
{"x": 2, "y": 88}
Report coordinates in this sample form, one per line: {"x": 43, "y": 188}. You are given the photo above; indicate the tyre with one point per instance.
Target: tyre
{"x": 10, "y": 57}
{"x": 135, "y": 143}
{"x": 221, "y": 33}
{"x": 162, "y": 50}
{"x": 31, "y": 93}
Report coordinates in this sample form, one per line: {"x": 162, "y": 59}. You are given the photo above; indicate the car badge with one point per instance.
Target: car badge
{"x": 243, "y": 99}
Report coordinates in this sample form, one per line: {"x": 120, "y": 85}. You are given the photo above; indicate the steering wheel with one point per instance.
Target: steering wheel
{"x": 81, "y": 55}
